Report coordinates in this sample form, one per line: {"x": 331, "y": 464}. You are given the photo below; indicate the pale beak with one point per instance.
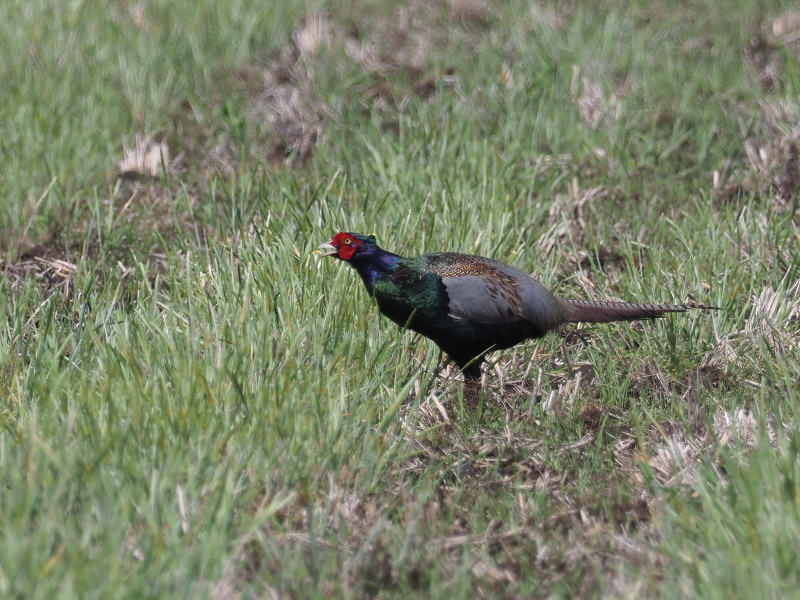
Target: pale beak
{"x": 326, "y": 249}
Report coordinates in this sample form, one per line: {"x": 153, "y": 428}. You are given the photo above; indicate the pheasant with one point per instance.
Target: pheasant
{"x": 470, "y": 305}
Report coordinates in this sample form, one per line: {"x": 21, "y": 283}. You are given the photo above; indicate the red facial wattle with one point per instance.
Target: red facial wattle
{"x": 346, "y": 244}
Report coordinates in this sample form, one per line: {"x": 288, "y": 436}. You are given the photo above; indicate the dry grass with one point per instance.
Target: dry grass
{"x": 45, "y": 265}
{"x": 146, "y": 158}
{"x": 771, "y": 144}
{"x": 594, "y": 103}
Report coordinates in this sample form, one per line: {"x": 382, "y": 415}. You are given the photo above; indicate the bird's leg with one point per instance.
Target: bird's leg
{"x": 472, "y": 382}
{"x": 565, "y": 350}
{"x": 472, "y": 392}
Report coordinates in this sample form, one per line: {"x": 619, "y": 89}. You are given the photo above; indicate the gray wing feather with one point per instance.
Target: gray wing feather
{"x": 477, "y": 299}
{"x": 504, "y": 295}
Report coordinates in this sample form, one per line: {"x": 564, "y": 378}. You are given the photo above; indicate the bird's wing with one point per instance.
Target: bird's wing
{"x": 482, "y": 299}
{"x": 482, "y": 290}
{"x": 479, "y": 290}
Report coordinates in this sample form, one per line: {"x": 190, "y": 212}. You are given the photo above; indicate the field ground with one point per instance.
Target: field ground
{"x": 193, "y": 407}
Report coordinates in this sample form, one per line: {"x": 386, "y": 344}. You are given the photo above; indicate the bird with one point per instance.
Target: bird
{"x": 471, "y": 305}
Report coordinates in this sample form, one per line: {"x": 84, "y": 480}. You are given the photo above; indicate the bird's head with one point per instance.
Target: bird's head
{"x": 345, "y": 246}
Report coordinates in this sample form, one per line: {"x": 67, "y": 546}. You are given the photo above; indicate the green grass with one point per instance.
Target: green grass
{"x": 193, "y": 406}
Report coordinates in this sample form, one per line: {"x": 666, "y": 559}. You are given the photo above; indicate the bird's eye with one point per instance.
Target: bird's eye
{"x": 347, "y": 241}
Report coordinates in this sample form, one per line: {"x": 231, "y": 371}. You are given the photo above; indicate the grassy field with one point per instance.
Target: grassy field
{"x": 194, "y": 407}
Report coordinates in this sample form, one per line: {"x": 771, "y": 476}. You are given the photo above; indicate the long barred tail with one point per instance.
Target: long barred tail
{"x": 589, "y": 311}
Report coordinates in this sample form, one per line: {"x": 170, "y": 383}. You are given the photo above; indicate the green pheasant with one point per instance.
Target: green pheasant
{"x": 470, "y": 305}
